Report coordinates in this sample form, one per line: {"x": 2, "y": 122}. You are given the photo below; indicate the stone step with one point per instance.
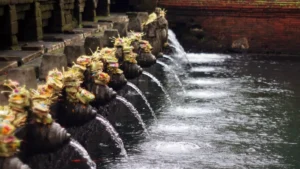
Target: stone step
{"x": 6, "y": 65}
{"x": 66, "y": 38}
{"x": 45, "y": 46}
{"x": 20, "y": 56}
{"x": 24, "y": 75}
{"x": 86, "y": 31}
{"x": 51, "y": 61}
{"x": 73, "y": 51}
{"x": 36, "y": 63}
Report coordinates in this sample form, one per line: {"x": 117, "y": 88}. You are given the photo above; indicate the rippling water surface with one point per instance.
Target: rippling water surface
{"x": 237, "y": 112}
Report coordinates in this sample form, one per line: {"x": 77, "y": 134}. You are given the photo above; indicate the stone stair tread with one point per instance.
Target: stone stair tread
{"x": 19, "y": 55}
{"x": 61, "y": 37}
{"x": 96, "y": 25}
{"x": 114, "y": 17}
{"x": 6, "y": 65}
{"x": 86, "y": 31}
{"x": 48, "y": 46}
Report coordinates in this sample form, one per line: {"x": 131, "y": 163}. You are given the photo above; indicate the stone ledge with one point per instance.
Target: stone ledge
{"x": 66, "y": 38}
{"x": 5, "y": 66}
{"x": 20, "y": 56}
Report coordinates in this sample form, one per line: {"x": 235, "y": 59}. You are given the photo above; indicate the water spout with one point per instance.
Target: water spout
{"x": 113, "y": 133}
{"x": 143, "y": 97}
{"x": 171, "y": 59}
{"x": 176, "y": 76}
{"x": 177, "y": 46}
{"x": 159, "y": 84}
{"x": 133, "y": 111}
{"x": 84, "y": 154}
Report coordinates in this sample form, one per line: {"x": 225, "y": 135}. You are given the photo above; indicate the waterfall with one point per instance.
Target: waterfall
{"x": 143, "y": 97}
{"x": 84, "y": 154}
{"x": 175, "y": 74}
{"x": 177, "y": 46}
{"x": 133, "y": 111}
{"x": 159, "y": 84}
{"x": 113, "y": 133}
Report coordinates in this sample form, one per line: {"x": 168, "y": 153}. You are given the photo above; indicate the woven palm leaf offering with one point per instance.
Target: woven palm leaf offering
{"x": 43, "y": 134}
{"x": 118, "y": 45}
{"x": 143, "y": 48}
{"x": 135, "y": 38}
{"x": 129, "y": 66}
{"x": 112, "y": 68}
{"x": 9, "y": 144}
{"x": 75, "y": 108}
{"x": 18, "y": 104}
{"x": 103, "y": 94}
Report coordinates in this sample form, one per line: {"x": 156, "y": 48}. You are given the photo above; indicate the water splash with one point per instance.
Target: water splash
{"x": 177, "y": 46}
{"x": 113, "y": 133}
{"x": 171, "y": 59}
{"x": 175, "y": 74}
{"x": 143, "y": 97}
{"x": 159, "y": 84}
{"x": 84, "y": 154}
{"x": 133, "y": 111}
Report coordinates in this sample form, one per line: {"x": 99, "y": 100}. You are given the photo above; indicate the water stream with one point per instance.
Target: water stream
{"x": 179, "y": 50}
{"x": 158, "y": 84}
{"x": 143, "y": 97}
{"x": 171, "y": 59}
{"x": 133, "y": 110}
{"x": 85, "y": 155}
{"x": 113, "y": 133}
{"x": 175, "y": 74}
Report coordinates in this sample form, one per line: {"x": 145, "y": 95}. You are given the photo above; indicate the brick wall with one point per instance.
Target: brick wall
{"x": 272, "y": 27}
{"x": 231, "y": 3}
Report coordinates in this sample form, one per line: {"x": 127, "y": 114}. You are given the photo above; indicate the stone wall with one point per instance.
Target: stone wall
{"x": 263, "y": 26}
{"x": 28, "y": 20}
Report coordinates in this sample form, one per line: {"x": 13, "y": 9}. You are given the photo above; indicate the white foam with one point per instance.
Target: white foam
{"x": 206, "y": 58}
{"x": 174, "y": 147}
{"x": 179, "y": 128}
{"x": 203, "y": 69}
{"x": 192, "y": 111}
{"x": 205, "y": 81}
{"x": 205, "y": 94}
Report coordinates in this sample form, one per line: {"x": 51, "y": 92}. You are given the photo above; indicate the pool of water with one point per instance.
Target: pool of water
{"x": 237, "y": 112}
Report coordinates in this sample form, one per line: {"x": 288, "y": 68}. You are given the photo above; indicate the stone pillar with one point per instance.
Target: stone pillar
{"x": 103, "y": 8}
{"x": 135, "y": 20}
{"x": 58, "y": 18}
{"x": 9, "y": 28}
{"x": 122, "y": 27}
{"x": 78, "y": 10}
{"x": 90, "y": 10}
{"x": 34, "y": 26}
{"x": 135, "y": 23}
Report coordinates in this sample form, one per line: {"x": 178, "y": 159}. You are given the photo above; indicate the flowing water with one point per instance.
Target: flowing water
{"x": 171, "y": 59}
{"x": 158, "y": 84}
{"x": 143, "y": 97}
{"x": 179, "y": 50}
{"x": 237, "y": 112}
{"x": 175, "y": 74}
{"x": 133, "y": 110}
{"x": 82, "y": 151}
{"x": 113, "y": 133}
